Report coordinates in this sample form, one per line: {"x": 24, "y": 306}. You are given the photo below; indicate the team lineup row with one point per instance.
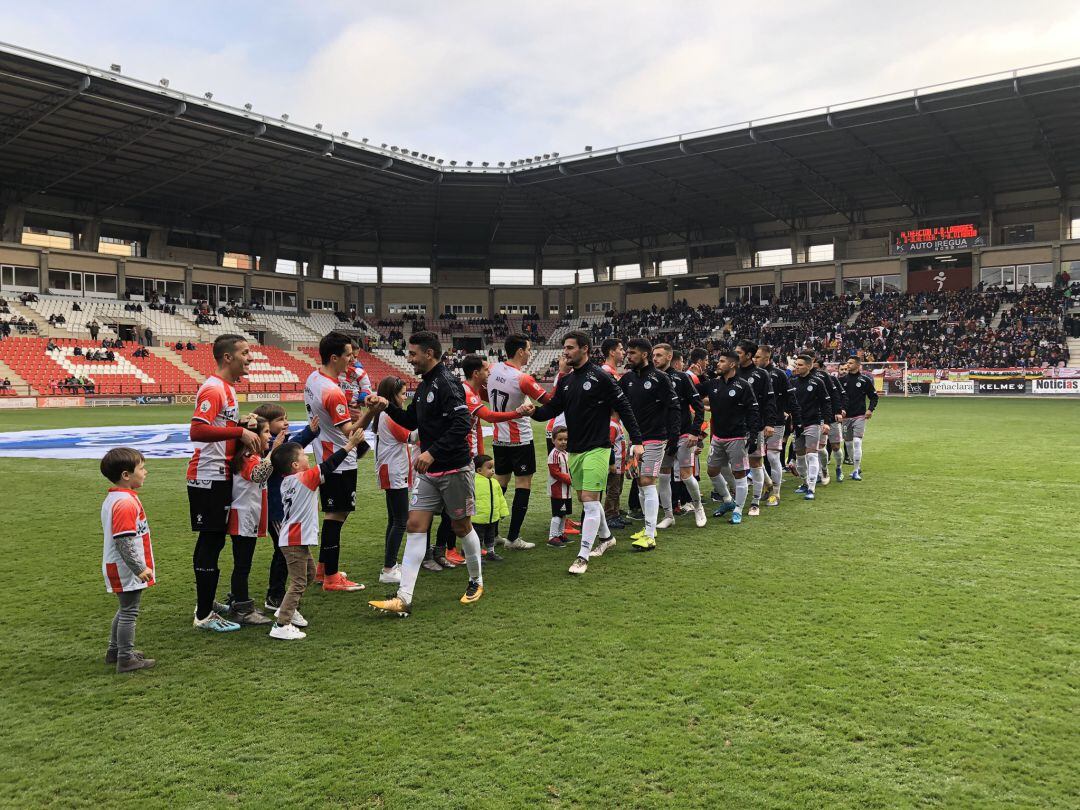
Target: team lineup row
{"x": 251, "y": 478}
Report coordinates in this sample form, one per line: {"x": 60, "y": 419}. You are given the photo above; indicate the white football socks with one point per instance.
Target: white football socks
{"x": 856, "y": 453}
{"x": 720, "y": 485}
{"x": 556, "y": 527}
{"x": 590, "y": 525}
{"x": 741, "y": 488}
{"x": 777, "y": 467}
{"x": 757, "y": 474}
{"x": 411, "y": 560}
{"x": 664, "y": 488}
{"x": 470, "y": 544}
{"x": 694, "y": 489}
{"x": 812, "y": 470}
{"x": 650, "y": 505}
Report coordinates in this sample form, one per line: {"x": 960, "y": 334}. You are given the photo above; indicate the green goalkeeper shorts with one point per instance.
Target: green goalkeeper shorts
{"x": 589, "y": 470}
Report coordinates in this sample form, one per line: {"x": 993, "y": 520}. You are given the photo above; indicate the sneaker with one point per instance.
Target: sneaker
{"x": 700, "y": 518}
{"x": 667, "y": 522}
{"x": 716, "y": 496}
{"x": 773, "y": 500}
{"x": 644, "y": 544}
{"x": 687, "y": 508}
{"x": 570, "y": 531}
{"x": 136, "y": 661}
{"x": 636, "y": 514}
{"x": 557, "y": 542}
{"x": 579, "y": 566}
{"x": 520, "y": 545}
{"x": 767, "y": 488}
{"x": 616, "y": 523}
{"x": 736, "y": 517}
{"x": 320, "y": 573}
{"x": 839, "y": 474}
{"x": 602, "y": 546}
{"x": 856, "y": 476}
{"x": 111, "y": 656}
{"x": 441, "y": 560}
{"x": 287, "y": 632}
{"x": 723, "y": 510}
{"x": 849, "y": 462}
{"x": 493, "y": 557}
{"x": 755, "y": 510}
{"x": 801, "y": 489}
{"x": 270, "y": 603}
{"x": 214, "y": 622}
{"x": 430, "y": 565}
{"x": 297, "y": 618}
{"x": 472, "y": 593}
{"x": 339, "y": 582}
{"x": 246, "y": 614}
{"x": 809, "y": 496}
{"x": 824, "y": 480}
{"x": 455, "y": 556}
{"x": 637, "y": 535}
{"x": 394, "y": 606}
{"x": 391, "y": 577}
{"x": 500, "y": 540}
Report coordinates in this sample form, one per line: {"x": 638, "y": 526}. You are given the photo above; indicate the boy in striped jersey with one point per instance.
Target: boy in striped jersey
{"x": 128, "y": 559}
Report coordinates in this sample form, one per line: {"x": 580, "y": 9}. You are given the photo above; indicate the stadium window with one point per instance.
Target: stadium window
{"x": 674, "y": 267}
{"x": 113, "y": 246}
{"x": 239, "y": 261}
{"x": 274, "y": 299}
{"x": 359, "y": 274}
{"x": 504, "y": 276}
{"x": 286, "y": 267}
{"x": 810, "y": 291}
{"x": 517, "y": 309}
{"x": 772, "y": 258}
{"x": 406, "y": 275}
{"x": 820, "y": 253}
{"x": 369, "y": 309}
{"x": 19, "y": 278}
{"x": 586, "y": 275}
{"x": 598, "y": 307}
{"x": 316, "y": 304}
{"x": 463, "y": 309}
{"x": 406, "y": 309}
{"x": 558, "y": 278}
{"x": 553, "y": 310}
{"x": 89, "y": 284}
{"x": 1074, "y": 229}
{"x": 627, "y": 271}
{"x": 872, "y": 285}
{"x": 48, "y": 238}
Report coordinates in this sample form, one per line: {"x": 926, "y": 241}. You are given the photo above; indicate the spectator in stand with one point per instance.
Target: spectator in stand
{"x": 51, "y": 346}
{"x": 94, "y": 327}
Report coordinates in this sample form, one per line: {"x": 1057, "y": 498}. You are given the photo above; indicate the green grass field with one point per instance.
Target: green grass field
{"x": 909, "y": 640}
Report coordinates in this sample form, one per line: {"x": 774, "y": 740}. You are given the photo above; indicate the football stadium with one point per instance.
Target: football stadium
{"x": 735, "y": 468}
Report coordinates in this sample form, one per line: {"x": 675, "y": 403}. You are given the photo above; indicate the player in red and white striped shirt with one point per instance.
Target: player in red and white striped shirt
{"x": 127, "y": 561}
{"x": 509, "y": 388}
{"x": 215, "y": 430}
{"x": 560, "y": 488}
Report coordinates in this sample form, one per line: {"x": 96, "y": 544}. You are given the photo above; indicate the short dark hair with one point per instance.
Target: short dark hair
{"x": 470, "y": 364}
{"x": 425, "y": 341}
{"x": 282, "y": 457}
{"x": 747, "y": 346}
{"x": 730, "y": 354}
{"x": 120, "y": 460}
{"x": 609, "y": 345}
{"x": 806, "y": 358}
{"x": 270, "y": 411}
{"x": 515, "y": 342}
{"x": 765, "y": 348}
{"x": 557, "y": 431}
{"x": 579, "y": 337}
{"x": 855, "y": 358}
{"x": 676, "y": 355}
{"x": 641, "y": 344}
{"x": 226, "y": 344}
{"x": 480, "y": 461}
{"x": 698, "y": 354}
{"x": 333, "y": 344}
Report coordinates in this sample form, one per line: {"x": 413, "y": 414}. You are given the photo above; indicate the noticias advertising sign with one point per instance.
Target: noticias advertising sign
{"x": 938, "y": 239}
{"x": 1067, "y": 386}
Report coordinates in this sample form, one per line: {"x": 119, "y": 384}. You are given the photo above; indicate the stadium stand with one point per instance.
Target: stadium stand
{"x": 272, "y": 369}
{"x": 376, "y": 365}
{"x": 59, "y": 370}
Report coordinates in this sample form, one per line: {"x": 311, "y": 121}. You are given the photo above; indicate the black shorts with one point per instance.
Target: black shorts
{"x": 338, "y": 492}
{"x": 209, "y": 506}
{"x": 561, "y": 507}
{"x": 518, "y": 459}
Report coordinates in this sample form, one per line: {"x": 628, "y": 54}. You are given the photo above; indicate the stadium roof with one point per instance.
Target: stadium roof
{"x": 111, "y": 145}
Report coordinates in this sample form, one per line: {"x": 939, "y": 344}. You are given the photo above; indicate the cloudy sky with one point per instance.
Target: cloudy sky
{"x": 472, "y": 80}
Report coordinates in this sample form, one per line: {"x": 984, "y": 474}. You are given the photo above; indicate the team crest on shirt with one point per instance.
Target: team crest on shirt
{"x": 858, "y": 384}
{"x": 430, "y": 396}
{"x": 204, "y": 406}
{"x": 810, "y": 387}
{"x": 340, "y": 409}
{"x": 648, "y": 384}
{"x": 586, "y": 385}
{"x": 731, "y": 393}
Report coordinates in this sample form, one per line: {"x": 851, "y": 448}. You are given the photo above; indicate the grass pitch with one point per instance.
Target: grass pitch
{"x": 905, "y": 641}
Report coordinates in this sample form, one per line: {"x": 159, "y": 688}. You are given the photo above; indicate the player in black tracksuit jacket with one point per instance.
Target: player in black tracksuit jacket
{"x": 817, "y": 406}
{"x": 438, "y": 411}
{"x": 656, "y": 406}
{"x": 761, "y": 382}
{"x": 588, "y": 395}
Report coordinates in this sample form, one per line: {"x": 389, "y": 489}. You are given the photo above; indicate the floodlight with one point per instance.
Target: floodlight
{"x": 502, "y": 163}
{"x": 439, "y": 161}
{"x": 284, "y": 116}
{"x": 547, "y": 157}
{"x": 415, "y": 154}
{"x": 363, "y": 140}
{"x": 248, "y": 106}
{"x": 554, "y": 154}
{"x": 393, "y": 148}
{"x": 383, "y": 146}
{"x": 345, "y": 134}
{"x": 588, "y": 148}
{"x": 484, "y": 164}
{"x": 468, "y": 163}
{"x": 453, "y": 163}
{"x": 115, "y": 68}
{"x": 208, "y": 96}
{"x": 163, "y": 82}
{"x": 318, "y": 127}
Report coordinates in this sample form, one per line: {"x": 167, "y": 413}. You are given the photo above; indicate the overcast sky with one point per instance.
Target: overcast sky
{"x": 502, "y": 80}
